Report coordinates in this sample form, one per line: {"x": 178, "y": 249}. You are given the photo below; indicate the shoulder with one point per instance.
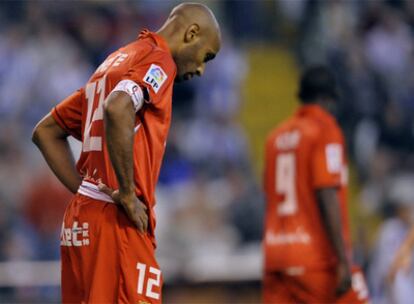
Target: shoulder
{"x": 327, "y": 128}
{"x": 153, "y": 52}
{"x": 145, "y": 51}
{"x": 280, "y": 128}
{"x": 307, "y": 127}
{"x": 284, "y": 134}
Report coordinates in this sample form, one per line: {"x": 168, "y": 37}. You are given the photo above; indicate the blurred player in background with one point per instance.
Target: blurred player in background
{"x": 401, "y": 272}
{"x": 122, "y": 116}
{"x": 307, "y": 242}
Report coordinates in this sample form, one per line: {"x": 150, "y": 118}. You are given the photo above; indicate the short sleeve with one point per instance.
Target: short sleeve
{"x": 327, "y": 161}
{"x": 133, "y": 90}
{"x": 154, "y": 75}
{"x": 68, "y": 114}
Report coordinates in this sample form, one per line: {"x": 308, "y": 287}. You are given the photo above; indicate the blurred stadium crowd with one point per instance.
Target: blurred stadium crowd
{"x": 209, "y": 196}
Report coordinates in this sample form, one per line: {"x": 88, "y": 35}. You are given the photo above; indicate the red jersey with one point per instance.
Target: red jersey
{"x": 148, "y": 63}
{"x": 303, "y": 154}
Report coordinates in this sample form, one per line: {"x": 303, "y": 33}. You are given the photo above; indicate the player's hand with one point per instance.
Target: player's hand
{"x": 344, "y": 276}
{"x": 134, "y": 208}
{"x": 402, "y": 261}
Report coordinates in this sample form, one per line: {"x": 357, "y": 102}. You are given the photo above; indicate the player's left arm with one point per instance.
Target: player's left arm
{"x": 331, "y": 215}
{"x": 328, "y": 165}
{"x": 119, "y": 117}
{"x": 143, "y": 83}
{"x": 51, "y": 139}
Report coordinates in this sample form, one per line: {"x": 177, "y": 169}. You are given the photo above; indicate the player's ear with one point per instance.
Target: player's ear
{"x": 191, "y": 33}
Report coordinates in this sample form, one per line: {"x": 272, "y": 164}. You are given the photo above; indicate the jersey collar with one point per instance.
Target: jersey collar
{"x": 157, "y": 39}
{"x": 313, "y": 110}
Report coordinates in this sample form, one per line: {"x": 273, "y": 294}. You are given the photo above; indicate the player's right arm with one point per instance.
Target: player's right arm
{"x": 403, "y": 257}
{"x": 50, "y": 136}
{"x": 51, "y": 139}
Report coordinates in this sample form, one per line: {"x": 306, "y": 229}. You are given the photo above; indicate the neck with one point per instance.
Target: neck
{"x": 322, "y": 103}
{"x": 326, "y": 104}
{"x": 168, "y": 33}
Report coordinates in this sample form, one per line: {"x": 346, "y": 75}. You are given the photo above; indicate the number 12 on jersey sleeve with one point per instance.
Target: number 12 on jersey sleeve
{"x": 285, "y": 183}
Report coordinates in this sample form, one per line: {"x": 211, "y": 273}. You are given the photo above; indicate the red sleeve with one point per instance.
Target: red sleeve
{"x": 68, "y": 114}
{"x": 327, "y": 161}
{"x": 154, "y": 74}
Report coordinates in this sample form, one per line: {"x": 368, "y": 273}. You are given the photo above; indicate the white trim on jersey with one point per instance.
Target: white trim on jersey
{"x": 91, "y": 190}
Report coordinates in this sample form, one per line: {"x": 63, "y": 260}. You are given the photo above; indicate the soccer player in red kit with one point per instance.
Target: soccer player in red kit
{"x": 122, "y": 116}
{"x": 306, "y": 240}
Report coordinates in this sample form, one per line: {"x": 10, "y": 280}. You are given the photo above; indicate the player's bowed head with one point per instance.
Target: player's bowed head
{"x": 193, "y": 36}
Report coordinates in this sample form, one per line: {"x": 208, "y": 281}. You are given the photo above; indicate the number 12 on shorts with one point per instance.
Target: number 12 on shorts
{"x": 151, "y": 282}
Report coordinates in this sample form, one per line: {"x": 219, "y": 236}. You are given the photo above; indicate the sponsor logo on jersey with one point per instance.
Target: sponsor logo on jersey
{"x": 155, "y": 77}
{"x": 299, "y": 236}
{"x": 77, "y": 235}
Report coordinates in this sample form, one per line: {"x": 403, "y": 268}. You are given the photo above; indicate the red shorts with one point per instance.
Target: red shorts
{"x": 312, "y": 287}
{"x": 104, "y": 257}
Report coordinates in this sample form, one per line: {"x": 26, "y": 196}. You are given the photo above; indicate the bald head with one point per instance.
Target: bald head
{"x": 196, "y": 13}
{"x": 193, "y": 35}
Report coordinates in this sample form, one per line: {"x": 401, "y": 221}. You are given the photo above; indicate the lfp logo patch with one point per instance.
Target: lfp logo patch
{"x": 155, "y": 77}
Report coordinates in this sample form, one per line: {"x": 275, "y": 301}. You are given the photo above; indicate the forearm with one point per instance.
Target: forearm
{"x": 52, "y": 143}
{"x": 119, "y": 131}
{"x": 331, "y": 216}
